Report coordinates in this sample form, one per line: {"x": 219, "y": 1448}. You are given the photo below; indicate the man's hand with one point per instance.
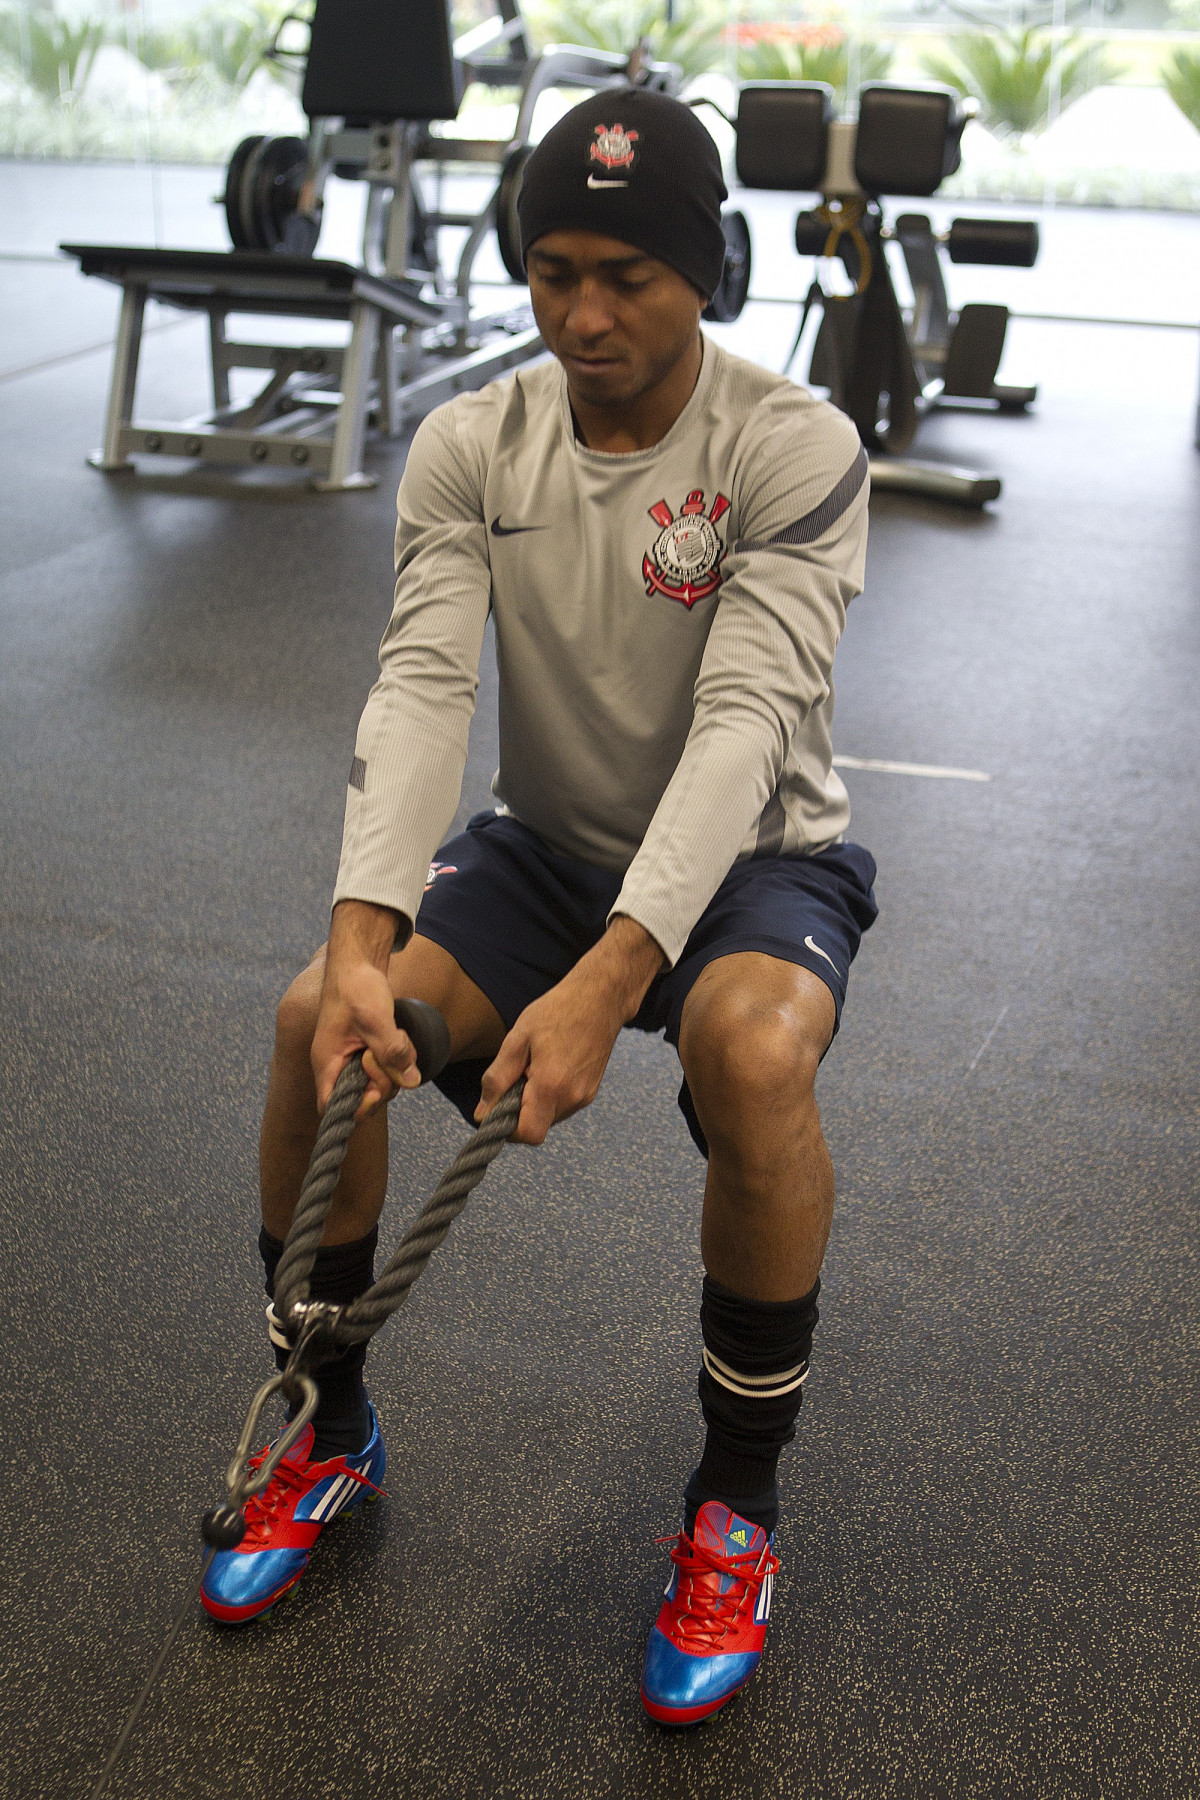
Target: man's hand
{"x": 562, "y": 1043}
{"x": 357, "y": 1008}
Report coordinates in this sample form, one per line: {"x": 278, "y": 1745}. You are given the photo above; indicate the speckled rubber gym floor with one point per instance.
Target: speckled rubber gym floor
{"x": 990, "y": 1543}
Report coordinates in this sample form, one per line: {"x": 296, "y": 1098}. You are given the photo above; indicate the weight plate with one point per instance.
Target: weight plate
{"x": 239, "y": 237}
{"x": 247, "y": 208}
{"x": 730, "y": 297}
{"x": 270, "y": 186}
{"x": 508, "y": 226}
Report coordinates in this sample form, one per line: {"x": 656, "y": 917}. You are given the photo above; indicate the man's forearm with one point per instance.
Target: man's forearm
{"x": 628, "y": 959}
{"x": 361, "y": 932}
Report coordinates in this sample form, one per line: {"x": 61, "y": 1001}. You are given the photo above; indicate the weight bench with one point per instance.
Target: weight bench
{"x": 312, "y": 412}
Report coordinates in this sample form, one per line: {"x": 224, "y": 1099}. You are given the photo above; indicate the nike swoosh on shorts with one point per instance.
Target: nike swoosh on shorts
{"x": 809, "y": 945}
{"x": 499, "y": 530}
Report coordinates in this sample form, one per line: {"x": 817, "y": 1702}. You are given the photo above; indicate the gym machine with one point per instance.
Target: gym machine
{"x": 884, "y": 365}
{"x": 378, "y": 77}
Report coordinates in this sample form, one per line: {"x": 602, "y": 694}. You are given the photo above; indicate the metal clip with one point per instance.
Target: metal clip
{"x": 309, "y": 1321}
{"x": 239, "y": 1483}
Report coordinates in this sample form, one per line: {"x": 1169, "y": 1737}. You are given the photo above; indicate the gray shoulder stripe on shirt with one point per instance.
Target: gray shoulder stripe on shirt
{"x": 771, "y": 827}
{"x": 358, "y": 775}
{"x": 816, "y": 523}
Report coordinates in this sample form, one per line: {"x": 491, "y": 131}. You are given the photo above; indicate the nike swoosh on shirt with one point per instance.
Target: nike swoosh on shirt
{"x": 593, "y": 183}
{"x": 499, "y": 530}
{"x": 817, "y": 948}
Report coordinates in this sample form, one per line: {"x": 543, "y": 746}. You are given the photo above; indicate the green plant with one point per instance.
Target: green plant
{"x": 1181, "y": 78}
{"x": 1011, "y": 74}
{"x": 54, "y": 55}
{"x": 823, "y": 56}
{"x": 229, "y": 42}
{"x": 693, "y": 42}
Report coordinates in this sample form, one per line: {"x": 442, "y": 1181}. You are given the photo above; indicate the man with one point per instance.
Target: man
{"x": 667, "y": 538}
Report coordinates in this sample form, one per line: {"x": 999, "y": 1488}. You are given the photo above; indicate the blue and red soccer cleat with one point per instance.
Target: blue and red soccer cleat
{"x": 284, "y": 1522}
{"x": 708, "y": 1638}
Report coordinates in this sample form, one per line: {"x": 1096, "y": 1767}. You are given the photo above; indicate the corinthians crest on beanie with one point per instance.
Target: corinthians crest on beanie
{"x": 636, "y": 165}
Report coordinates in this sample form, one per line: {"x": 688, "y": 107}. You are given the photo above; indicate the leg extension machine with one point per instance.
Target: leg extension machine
{"x": 886, "y": 365}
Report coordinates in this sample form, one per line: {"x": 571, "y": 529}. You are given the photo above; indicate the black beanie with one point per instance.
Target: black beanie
{"x": 636, "y": 165}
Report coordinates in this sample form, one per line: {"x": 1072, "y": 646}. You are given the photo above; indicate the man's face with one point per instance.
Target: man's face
{"x": 617, "y": 319}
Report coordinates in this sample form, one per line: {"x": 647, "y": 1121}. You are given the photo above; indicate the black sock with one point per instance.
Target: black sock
{"x": 342, "y": 1422}
{"x": 749, "y": 1416}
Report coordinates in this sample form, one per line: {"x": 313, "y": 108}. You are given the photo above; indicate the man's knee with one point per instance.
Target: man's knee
{"x": 750, "y": 1047}
{"x": 756, "y": 1057}
{"x": 296, "y": 1014}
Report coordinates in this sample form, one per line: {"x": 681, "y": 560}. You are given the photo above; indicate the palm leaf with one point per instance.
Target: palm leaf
{"x": 230, "y": 42}
{"x": 775, "y": 60}
{"x": 1011, "y": 74}
{"x": 1181, "y": 78}
{"x": 694, "y": 43}
{"x": 54, "y": 55}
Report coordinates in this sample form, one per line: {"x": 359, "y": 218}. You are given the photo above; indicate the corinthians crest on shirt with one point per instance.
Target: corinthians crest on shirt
{"x": 684, "y": 561}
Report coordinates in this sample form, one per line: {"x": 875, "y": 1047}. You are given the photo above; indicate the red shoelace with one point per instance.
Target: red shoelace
{"x": 262, "y": 1510}
{"x": 704, "y": 1615}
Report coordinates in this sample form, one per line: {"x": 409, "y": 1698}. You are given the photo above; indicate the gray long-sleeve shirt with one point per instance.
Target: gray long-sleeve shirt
{"x": 665, "y": 629}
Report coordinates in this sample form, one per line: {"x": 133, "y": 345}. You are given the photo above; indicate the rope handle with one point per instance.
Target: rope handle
{"x": 430, "y": 1038}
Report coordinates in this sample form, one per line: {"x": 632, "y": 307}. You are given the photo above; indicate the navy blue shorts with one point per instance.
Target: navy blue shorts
{"x": 516, "y": 916}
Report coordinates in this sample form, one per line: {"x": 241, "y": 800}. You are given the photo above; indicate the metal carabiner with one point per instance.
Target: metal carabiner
{"x": 239, "y": 1484}
{"x": 224, "y": 1526}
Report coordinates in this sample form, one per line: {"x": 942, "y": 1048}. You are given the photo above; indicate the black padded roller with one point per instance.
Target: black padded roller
{"x": 429, "y": 1034}
{"x": 1010, "y": 243}
{"x": 783, "y": 134}
{"x": 906, "y": 137}
{"x": 812, "y": 234}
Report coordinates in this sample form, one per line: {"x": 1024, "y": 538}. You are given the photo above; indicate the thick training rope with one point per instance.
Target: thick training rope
{"x": 322, "y": 1330}
{"x": 361, "y": 1319}
{"x": 316, "y": 1194}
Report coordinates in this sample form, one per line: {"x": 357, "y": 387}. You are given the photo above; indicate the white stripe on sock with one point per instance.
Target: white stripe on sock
{"x": 275, "y": 1330}
{"x": 755, "y": 1387}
